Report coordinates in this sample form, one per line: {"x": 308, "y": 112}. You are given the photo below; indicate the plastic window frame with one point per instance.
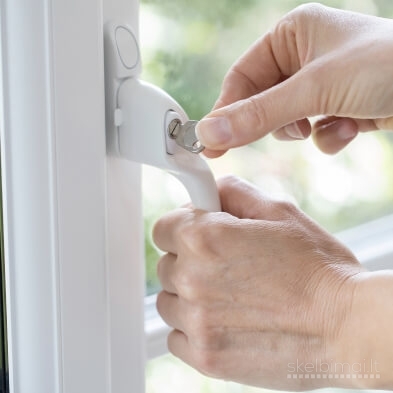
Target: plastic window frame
{"x": 72, "y": 215}
{"x": 55, "y": 174}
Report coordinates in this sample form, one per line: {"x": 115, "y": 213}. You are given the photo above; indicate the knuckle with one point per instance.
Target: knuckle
{"x": 227, "y": 84}
{"x": 204, "y": 329}
{"x": 228, "y": 182}
{"x": 209, "y": 363}
{"x": 157, "y": 231}
{"x": 286, "y": 209}
{"x": 199, "y": 322}
{"x": 208, "y": 337}
{"x": 309, "y": 10}
{"x": 193, "y": 237}
{"x": 160, "y": 302}
{"x": 189, "y": 285}
{"x": 202, "y": 239}
{"x": 215, "y": 243}
{"x": 171, "y": 342}
{"x": 256, "y": 115}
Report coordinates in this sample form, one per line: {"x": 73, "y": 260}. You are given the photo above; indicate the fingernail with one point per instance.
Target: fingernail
{"x": 345, "y": 132}
{"x": 214, "y": 131}
{"x": 293, "y": 131}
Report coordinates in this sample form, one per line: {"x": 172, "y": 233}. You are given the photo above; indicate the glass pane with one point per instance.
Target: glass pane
{"x": 187, "y": 47}
{"x": 169, "y": 375}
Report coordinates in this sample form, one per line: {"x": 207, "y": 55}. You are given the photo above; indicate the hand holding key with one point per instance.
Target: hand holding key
{"x": 316, "y": 61}
{"x": 254, "y": 290}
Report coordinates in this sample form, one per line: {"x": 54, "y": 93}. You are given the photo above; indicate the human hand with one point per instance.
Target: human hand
{"x": 316, "y": 61}
{"x": 257, "y": 288}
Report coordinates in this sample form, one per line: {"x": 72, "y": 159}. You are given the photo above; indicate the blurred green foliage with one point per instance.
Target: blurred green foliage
{"x": 219, "y": 13}
{"x": 385, "y": 8}
{"x": 184, "y": 80}
{"x": 195, "y": 44}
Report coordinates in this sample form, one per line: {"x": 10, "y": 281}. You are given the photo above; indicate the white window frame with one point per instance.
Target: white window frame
{"x": 73, "y": 216}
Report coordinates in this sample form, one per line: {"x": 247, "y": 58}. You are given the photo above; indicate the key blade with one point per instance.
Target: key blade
{"x": 185, "y": 136}
{"x": 190, "y": 139}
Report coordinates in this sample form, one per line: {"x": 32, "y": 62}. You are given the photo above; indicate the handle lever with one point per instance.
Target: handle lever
{"x": 146, "y": 125}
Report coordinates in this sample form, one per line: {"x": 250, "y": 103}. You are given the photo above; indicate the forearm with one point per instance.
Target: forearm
{"x": 368, "y": 335}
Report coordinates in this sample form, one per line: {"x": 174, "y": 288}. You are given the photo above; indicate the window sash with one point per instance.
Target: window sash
{"x": 72, "y": 215}
{"x": 72, "y": 270}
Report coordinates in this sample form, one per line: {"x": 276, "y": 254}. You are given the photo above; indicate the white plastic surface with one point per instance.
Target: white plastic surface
{"x": 127, "y": 47}
{"x": 137, "y": 116}
{"x": 125, "y": 236}
{"x": 122, "y": 61}
{"x": 143, "y": 138}
{"x": 121, "y": 50}
{"x": 74, "y": 274}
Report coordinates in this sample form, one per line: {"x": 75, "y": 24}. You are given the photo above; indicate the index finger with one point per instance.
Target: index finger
{"x": 270, "y": 60}
{"x": 249, "y": 113}
{"x": 252, "y": 73}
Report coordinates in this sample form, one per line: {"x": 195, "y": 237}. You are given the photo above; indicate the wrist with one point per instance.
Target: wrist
{"x": 366, "y": 341}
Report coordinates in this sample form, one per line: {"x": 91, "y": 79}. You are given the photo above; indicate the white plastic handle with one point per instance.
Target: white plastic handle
{"x": 203, "y": 191}
{"x": 143, "y": 137}
{"x": 192, "y": 171}
{"x": 138, "y": 115}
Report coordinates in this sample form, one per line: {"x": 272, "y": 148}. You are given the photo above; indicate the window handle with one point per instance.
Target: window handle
{"x": 141, "y": 118}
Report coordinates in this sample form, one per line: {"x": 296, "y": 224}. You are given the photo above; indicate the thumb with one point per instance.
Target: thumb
{"x": 249, "y": 119}
{"x": 243, "y": 200}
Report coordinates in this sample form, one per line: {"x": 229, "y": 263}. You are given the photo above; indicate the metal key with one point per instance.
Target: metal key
{"x": 185, "y": 136}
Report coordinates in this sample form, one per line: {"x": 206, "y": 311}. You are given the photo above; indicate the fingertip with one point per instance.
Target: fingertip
{"x": 298, "y": 130}
{"x": 214, "y": 132}
{"x": 213, "y": 153}
{"x": 332, "y": 137}
{"x": 177, "y": 343}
